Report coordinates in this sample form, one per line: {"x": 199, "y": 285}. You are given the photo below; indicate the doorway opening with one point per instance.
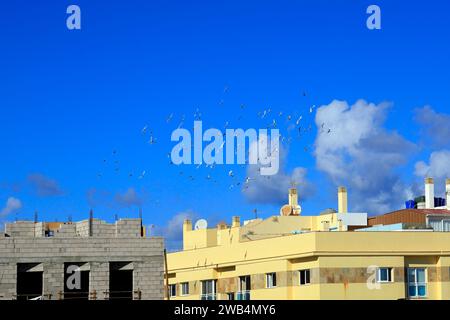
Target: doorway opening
{"x": 29, "y": 281}
{"x": 76, "y": 281}
{"x": 121, "y": 280}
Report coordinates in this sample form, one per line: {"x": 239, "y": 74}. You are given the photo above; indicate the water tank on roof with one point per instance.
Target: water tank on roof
{"x": 439, "y": 202}
{"x": 419, "y": 199}
{"x": 410, "y": 204}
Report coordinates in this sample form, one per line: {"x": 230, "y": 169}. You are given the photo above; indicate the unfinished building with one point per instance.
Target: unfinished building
{"x": 90, "y": 259}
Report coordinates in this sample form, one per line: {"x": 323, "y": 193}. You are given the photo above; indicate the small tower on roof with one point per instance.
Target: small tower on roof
{"x": 292, "y": 208}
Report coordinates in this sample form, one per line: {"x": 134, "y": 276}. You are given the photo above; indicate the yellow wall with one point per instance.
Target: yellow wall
{"x": 321, "y": 252}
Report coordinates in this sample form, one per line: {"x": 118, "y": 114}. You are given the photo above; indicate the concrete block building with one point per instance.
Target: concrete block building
{"x": 90, "y": 259}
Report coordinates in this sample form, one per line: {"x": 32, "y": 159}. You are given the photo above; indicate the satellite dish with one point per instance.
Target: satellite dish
{"x": 286, "y": 210}
{"x": 201, "y": 224}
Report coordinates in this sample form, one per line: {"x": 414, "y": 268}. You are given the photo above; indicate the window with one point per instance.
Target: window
{"x": 230, "y": 296}
{"x": 172, "y": 290}
{"x": 271, "y": 280}
{"x": 184, "y": 288}
{"x": 384, "y": 275}
{"x": 244, "y": 283}
{"x": 208, "y": 290}
{"x": 244, "y": 288}
{"x": 305, "y": 277}
{"x": 417, "y": 286}
{"x": 441, "y": 225}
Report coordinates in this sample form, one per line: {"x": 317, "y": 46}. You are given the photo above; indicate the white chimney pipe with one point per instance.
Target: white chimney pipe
{"x": 342, "y": 200}
{"x": 293, "y": 201}
{"x": 429, "y": 193}
{"x": 447, "y": 193}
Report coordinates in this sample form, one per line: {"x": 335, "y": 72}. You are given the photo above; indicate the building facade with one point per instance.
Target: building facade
{"x": 90, "y": 259}
{"x": 290, "y": 256}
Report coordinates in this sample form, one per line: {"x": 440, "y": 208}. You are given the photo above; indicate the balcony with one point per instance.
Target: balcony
{"x": 243, "y": 295}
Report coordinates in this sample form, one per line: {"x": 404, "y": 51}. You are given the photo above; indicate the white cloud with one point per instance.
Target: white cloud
{"x": 273, "y": 189}
{"x": 12, "y": 205}
{"x": 44, "y": 186}
{"x": 436, "y": 130}
{"x": 129, "y": 198}
{"x": 436, "y": 125}
{"x": 361, "y": 154}
{"x": 437, "y": 167}
{"x": 173, "y": 230}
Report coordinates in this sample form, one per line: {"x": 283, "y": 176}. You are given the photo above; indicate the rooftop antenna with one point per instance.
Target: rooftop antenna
{"x": 91, "y": 218}
{"x": 69, "y": 218}
{"x": 35, "y": 217}
{"x": 255, "y": 211}
{"x": 140, "y": 218}
{"x": 116, "y": 217}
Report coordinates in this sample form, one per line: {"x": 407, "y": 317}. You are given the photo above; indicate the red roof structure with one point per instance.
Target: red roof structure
{"x": 404, "y": 216}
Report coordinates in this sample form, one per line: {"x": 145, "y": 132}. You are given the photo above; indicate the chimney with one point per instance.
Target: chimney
{"x": 447, "y": 193}
{"x": 342, "y": 200}
{"x": 293, "y": 197}
{"x": 187, "y": 225}
{"x": 293, "y": 201}
{"x": 221, "y": 226}
{"x": 429, "y": 193}
{"x": 91, "y": 223}
{"x": 236, "y": 222}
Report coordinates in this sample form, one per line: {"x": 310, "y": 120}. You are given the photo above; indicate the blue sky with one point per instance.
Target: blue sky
{"x": 73, "y": 103}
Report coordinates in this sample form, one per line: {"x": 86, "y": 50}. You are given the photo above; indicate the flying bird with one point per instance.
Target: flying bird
{"x": 142, "y": 175}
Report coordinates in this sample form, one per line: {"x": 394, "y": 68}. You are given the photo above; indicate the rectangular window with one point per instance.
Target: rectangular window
{"x": 230, "y": 296}
{"x": 172, "y": 290}
{"x": 417, "y": 285}
{"x": 305, "y": 277}
{"x": 271, "y": 280}
{"x": 384, "y": 275}
{"x": 184, "y": 288}
{"x": 244, "y": 283}
{"x": 208, "y": 290}
{"x": 244, "y": 288}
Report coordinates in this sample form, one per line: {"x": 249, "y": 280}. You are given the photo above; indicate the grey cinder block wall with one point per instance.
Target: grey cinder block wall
{"x": 95, "y": 244}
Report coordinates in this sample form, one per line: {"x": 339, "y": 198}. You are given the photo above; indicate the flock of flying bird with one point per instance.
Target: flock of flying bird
{"x": 293, "y": 121}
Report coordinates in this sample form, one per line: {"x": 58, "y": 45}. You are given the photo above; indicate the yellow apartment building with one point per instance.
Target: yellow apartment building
{"x": 291, "y": 256}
